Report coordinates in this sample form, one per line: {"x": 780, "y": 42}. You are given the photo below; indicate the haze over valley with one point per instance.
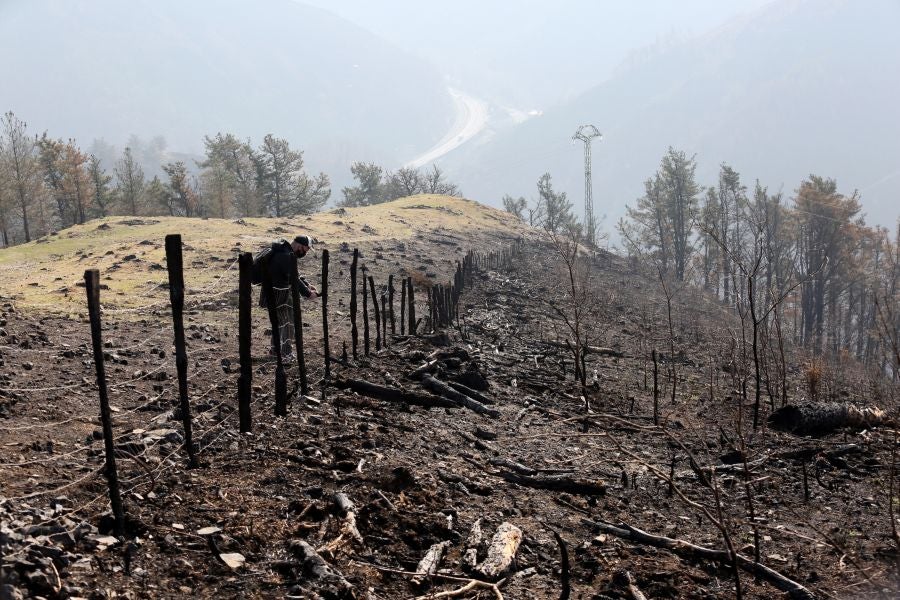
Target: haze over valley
{"x": 489, "y": 94}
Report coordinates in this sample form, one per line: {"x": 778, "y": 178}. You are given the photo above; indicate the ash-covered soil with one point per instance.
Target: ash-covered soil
{"x": 244, "y": 524}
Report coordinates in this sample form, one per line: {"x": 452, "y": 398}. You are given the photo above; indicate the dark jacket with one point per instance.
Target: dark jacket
{"x": 280, "y": 260}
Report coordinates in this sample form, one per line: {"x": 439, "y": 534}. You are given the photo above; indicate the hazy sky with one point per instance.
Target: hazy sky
{"x": 494, "y": 45}
{"x": 778, "y": 89}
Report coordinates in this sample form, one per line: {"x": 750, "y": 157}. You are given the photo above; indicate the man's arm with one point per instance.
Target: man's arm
{"x": 307, "y": 290}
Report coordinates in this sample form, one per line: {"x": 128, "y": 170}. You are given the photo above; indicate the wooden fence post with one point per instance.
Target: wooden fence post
{"x": 175, "y": 267}
{"x": 432, "y": 307}
{"x": 448, "y": 302}
{"x": 354, "y": 332}
{"x": 298, "y": 328}
{"x": 384, "y": 320}
{"x": 245, "y": 263}
{"x": 391, "y": 303}
{"x": 451, "y": 294}
{"x": 412, "y": 306}
{"x": 403, "y": 307}
{"x": 365, "y": 313}
{"x": 377, "y": 314}
{"x": 92, "y": 285}
{"x": 280, "y": 378}
{"x": 325, "y": 337}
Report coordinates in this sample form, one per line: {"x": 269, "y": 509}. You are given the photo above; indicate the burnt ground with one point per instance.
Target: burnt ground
{"x": 418, "y": 476}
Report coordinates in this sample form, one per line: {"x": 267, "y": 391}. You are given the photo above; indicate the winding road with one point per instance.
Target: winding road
{"x": 471, "y": 119}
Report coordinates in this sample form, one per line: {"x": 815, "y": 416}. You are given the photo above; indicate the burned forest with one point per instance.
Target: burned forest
{"x": 472, "y": 409}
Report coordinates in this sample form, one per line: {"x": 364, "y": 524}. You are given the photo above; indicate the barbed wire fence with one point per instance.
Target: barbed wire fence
{"x": 152, "y": 453}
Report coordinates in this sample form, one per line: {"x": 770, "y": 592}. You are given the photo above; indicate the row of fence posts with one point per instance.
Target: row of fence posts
{"x": 443, "y": 300}
{"x": 175, "y": 265}
{"x": 443, "y": 304}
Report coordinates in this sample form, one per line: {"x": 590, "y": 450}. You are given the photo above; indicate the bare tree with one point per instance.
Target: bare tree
{"x": 405, "y": 182}
{"x": 576, "y": 302}
{"x": 515, "y": 206}
{"x": 434, "y": 182}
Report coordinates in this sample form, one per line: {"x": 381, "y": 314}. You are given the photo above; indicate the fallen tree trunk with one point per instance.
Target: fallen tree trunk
{"x": 683, "y": 548}
{"x": 429, "y": 367}
{"x": 501, "y": 551}
{"x": 819, "y": 419}
{"x": 572, "y": 485}
{"x": 429, "y": 564}
{"x": 800, "y": 455}
{"x": 598, "y": 350}
{"x": 470, "y": 557}
{"x": 445, "y": 390}
{"x": 464, "y": 389}
{"x": 392, "y": 394}
{"x": 348, "y": 527}
{"x": 328, "y": 579}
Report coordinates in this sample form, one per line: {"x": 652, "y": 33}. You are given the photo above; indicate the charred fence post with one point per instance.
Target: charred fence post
{"x": 434, "y": 300}
{"x": 438, "y": 299}
{"x": 449, "y": 303}
{"x": 175, "y": 267}
{"x": 403, "y": 307}
{"x": 365, "y": 288}
{"x": 280, "y": 377}
{"x": 354, "y": 331}
{"x": 298, "y": 328}
{"x": 384, "y": 319}
{"x": 433, "y": 307}
{"x": 412, "y": 306}
{"x": 245, "y": 263}
{"x": 391, "y": 303}
{"x": 377, "y": 314}
{"x": 325, "y": 320}
{"x": 92, "y": 285}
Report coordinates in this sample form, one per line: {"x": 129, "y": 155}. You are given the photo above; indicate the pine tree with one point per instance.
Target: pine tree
{"x": 19, "y": 159}
{"x": 130, "y": 185}
{"x": 225, "y": 152}
{"x": 100, "y": 181}
{"x": 680, "y": 191}
{"x": 369, "y": 189}
{"x": 557, "y": 209}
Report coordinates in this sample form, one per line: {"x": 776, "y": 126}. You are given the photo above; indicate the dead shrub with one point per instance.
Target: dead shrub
{"x": 420, "y": 280}
{"x": 813, "y": 375}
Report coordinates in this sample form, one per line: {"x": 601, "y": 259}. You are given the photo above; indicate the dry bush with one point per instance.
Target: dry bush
{"x": 813, "y": 376}
{"x": 420, "y": 280}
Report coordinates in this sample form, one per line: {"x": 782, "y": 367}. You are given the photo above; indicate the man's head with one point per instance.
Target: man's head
{"x": 301, "y": 245}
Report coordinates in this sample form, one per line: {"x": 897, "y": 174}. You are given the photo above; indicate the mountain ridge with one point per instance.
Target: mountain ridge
{"x": 778, "y": 109}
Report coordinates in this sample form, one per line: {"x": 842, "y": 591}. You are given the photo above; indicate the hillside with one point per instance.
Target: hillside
{"x": 182, "y": 70}
{"x": 373, "y": 470}
{"x": 798, "y": 87}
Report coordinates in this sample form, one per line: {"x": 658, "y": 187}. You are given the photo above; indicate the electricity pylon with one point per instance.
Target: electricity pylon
{"x": 586, "y": 133}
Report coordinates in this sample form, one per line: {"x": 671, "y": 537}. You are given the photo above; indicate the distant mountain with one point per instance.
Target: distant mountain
{"x": 798, "y": 87}
{"x": 182, "y": 69}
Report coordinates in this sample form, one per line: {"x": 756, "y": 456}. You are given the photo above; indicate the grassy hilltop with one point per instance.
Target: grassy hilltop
{"x": 130, "y": 253}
